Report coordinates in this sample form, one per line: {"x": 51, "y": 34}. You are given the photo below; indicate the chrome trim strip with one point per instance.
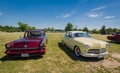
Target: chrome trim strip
{"x": 23, "y": 48}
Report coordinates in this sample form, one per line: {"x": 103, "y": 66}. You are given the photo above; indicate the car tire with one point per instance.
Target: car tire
{"x": 77, "y": 51}
{"x": 114, "y": 41}
{"x": 63, "y": 43}
{"x": 102, "y": 58}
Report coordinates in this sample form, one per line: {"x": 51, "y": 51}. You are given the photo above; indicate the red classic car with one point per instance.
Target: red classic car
{"x": 32, "y": 44}
{"x": 115, "y": 38}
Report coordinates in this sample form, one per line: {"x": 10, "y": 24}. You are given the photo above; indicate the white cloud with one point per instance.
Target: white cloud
{"x": 94, "y": 15}
{"x": 109, "y": 17}
{"x": 99, "y": 8}
{"x": 66, "y": 15}
{"x": 94, "y": 12}
{"x": 63, "y": 15}
{"x": 1, "y": 13}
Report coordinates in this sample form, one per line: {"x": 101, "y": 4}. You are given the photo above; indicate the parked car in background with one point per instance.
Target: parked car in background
{"x": 33, "y": 43}
{"x": 114, "y": 38}
{"x": 82, "y": 44}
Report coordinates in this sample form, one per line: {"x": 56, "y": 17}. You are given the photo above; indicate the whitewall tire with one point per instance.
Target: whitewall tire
{"x": 77, "y": 51}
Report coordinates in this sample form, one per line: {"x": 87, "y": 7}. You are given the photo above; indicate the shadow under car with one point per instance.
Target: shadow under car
{"x": 14, "y": 58}
{"x": 71, "y": 54}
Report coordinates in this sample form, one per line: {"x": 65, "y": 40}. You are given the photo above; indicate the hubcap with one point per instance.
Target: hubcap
{"x": 114, "y": 41}
{"x": 77, "y": 51}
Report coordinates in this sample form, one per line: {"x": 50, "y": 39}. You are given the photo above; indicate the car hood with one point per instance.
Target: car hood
{"x": 27, "y": 43}
{"x": 93, "y": 43}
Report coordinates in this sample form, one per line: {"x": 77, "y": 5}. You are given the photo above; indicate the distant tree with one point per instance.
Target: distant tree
{"x": 103, "y": 29}
{"x": 85, "y": 29}
{"x": 59, "y": 30}
{"x": 95, "y": 31}
{"x": 48, "y": 29}
{"x": 69, "y": 27}
{"x": 52, "y": 29}
{"x": 79, "y": 29}
{"x": 115, "y": 30}
{"x": 32, "y": 28}
{"x": 1, "y": 28}
{"x": 75, "y": 29}
{"x": 28, "y": 28}
{"x": 109, "y": 30}
{"x": 8, "y": 28}
{"x": 23, "y": 26}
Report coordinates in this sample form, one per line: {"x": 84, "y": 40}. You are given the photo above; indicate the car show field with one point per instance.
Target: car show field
{"x": 58, "y": 58}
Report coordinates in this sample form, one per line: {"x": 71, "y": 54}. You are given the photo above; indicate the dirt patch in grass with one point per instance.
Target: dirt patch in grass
{"x": 110, "y": 63}
{"x": 115, "y": 55}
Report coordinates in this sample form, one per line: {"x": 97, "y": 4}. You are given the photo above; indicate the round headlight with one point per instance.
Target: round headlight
{"x": 8, "y": 46}
{"x": 86, "y": 46}
{"x": 107, "y": 45}
{"x": 42, "y": 44}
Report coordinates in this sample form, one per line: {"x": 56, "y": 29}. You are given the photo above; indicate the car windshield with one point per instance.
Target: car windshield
{"x": 118, "y": 33}
{"x": 34, "y": 34}
{"x": 81, "y": 35}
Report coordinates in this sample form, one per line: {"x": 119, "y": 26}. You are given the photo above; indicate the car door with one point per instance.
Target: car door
{"x": 118, "y": 36}
{"x": 65, "y": 39}
{"x": 70, "y": 41}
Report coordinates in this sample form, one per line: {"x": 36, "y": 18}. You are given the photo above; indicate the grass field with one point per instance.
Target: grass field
{"x": 58, "y": 58}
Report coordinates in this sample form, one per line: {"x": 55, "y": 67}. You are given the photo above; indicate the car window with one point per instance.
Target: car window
{"x": 81, "y": 35}
{"x": 34, "y": 34}
{"x": 118, "y": 33}
{"x": 68, "y": 34}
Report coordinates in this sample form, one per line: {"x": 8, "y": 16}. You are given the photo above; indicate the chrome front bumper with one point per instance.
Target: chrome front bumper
{"x": 100, "y": 55}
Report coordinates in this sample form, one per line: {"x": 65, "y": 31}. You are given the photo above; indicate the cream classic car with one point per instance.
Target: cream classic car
{"x": 82, "y": 44}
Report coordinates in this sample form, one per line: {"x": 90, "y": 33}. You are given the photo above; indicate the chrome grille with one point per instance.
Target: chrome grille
{"x": 102, "y": 50}
{"x": 96, "y": 51}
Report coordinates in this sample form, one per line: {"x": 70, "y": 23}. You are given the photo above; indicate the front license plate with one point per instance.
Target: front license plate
{"x": 25, "y": 55}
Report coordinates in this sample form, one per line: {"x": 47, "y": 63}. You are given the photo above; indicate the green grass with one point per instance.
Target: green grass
{"x": 58, "y": 58}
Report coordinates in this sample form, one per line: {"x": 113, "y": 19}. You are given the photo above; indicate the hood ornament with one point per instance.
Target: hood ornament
{"x": 25, "y": 46}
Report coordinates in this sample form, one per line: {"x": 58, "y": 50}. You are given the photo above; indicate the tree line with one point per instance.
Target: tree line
{"x": 103, "y": 30}
{"x": 69, "y": 27}
{"x": 22, "y": 27}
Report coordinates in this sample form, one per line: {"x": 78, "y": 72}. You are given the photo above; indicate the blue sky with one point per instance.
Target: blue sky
{"x": 57, "y": 13}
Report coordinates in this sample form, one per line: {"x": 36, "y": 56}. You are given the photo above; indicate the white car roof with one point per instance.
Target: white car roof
{"x": 77, "y": 31}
